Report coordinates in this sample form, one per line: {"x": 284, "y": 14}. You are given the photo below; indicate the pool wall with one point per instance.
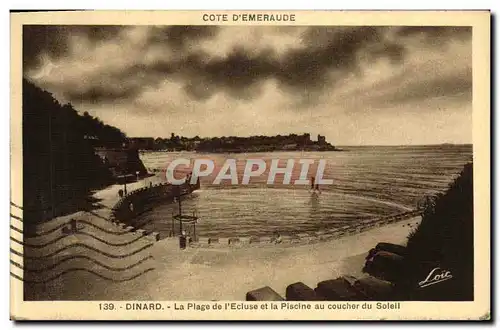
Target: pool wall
{"x": 141, "y": 200}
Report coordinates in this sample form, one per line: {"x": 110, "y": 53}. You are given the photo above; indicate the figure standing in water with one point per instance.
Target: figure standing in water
{"x": 314, "y": 186}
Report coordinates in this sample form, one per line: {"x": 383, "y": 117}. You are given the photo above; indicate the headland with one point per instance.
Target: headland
{"x": 235, "y": 144}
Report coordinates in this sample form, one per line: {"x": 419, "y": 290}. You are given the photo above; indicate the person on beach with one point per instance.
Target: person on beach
{"x": 183, "y": 240}
{"x": 276, "y": 237}
{"x": 314, "y": 186}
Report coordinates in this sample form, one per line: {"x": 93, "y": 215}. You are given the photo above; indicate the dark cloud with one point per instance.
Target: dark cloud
{"x": 436, "y": 35}
{"x": 391, "y": 50}
{"x": 308, "y": 68}
{"x": 97, "y": 94}
{"x": 53, "y": 40}
{"x": 457, "y": 85}
{"x": 234, "y": 73}
{"x": 327, "y": 55}
{"x": 96, "y": 33}
{"x": 436, "y": 31}
{"x": 38, "y": 39}
{"x": 327, "y": 49}
{"x": 179, "y": 36}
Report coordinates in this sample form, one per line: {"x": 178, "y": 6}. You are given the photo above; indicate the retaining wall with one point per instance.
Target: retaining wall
{"x": 304, "y": 238}
{"x": 144, "y": 199}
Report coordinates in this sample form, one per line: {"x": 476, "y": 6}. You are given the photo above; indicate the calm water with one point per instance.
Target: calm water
{"x": 367, "y": 182}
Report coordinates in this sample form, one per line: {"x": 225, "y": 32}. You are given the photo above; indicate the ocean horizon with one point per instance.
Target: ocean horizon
{"x": 368, "y": 182}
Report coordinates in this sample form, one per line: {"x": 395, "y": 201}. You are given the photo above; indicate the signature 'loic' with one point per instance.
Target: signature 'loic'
{"x": 435, "y": 276}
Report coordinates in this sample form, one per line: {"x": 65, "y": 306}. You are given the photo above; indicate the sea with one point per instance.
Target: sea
{"x": 366, "y": 182}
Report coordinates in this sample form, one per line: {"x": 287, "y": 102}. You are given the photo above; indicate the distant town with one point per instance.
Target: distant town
{"x": 233, "y": 144}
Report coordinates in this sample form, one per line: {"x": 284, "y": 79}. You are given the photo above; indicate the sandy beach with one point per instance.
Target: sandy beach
{"x": 219, "y": 272}
{"x": 228, "y": 273}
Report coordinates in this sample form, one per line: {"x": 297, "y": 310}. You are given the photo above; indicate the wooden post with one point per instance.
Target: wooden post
{"x": 194, "y": 225}
{"x": 194, "y": 231}
{"x": 74, "y": 227}
{"x": 173, "y": 224}
{"x": 180, "y": 211}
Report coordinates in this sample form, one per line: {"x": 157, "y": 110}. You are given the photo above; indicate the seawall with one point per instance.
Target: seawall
{"x": 141, "y": 200}
{"x": 304, "y": 238}
{"x": 144, "y": 199}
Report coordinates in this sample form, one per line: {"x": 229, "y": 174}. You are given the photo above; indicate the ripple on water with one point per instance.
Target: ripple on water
{"x": 368, "y": 182}
{"x": 256, "y": 211}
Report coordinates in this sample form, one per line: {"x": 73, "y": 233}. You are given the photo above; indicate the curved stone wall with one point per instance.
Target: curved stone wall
{"x": 305, "y": 238}
{"x": 144, "y": 199}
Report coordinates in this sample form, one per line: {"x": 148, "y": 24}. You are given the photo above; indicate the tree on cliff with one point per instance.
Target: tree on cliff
{"x": 104, "y": 135}
{"x": 445, "y": 240}
{"x": 59, "y": 163}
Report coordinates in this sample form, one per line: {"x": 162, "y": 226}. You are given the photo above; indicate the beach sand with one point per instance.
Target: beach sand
{"x": 220, "y": 272}
{"x": 227, "y": 273}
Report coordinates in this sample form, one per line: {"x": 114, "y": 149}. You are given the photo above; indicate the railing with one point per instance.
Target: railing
{"x": 143, "y": 199}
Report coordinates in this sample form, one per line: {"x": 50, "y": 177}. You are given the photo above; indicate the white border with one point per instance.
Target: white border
{"x": 212, "y": 5}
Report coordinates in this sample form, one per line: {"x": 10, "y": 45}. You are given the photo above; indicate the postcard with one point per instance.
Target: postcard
{"x": 250, "y": 165}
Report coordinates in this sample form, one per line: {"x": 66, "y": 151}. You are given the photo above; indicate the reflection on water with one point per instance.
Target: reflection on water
{"x": 368, "y": 182}
{"x": 258, "y": 211}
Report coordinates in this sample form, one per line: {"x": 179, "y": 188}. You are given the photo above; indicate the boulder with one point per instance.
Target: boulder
{"x": 393, "y": 248}
{"x": 263, "y": 294}
{"x": 385, "y": 265}
{"x": 388, "y": 247}
{"x": 374, "y": 288}
{"x": 338, "y": 289}
{"x": 301, "y": 292}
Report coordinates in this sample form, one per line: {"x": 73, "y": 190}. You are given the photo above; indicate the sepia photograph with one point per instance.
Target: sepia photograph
{"x": 275, "y": 162}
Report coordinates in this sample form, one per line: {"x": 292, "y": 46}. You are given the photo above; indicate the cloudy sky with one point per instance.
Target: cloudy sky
{"x": 356, "y": 85}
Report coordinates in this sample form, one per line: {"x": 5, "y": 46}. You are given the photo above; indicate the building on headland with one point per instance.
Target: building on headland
{"x": 306, "y": 138}
{"x": 143, "y": 143}
{"x": 259, "y": 143}
{"x": 123, "y": 163}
